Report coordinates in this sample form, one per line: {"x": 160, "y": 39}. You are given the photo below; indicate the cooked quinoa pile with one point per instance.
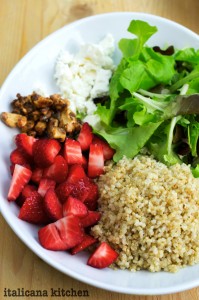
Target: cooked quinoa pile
{"x": 150, "y": 214}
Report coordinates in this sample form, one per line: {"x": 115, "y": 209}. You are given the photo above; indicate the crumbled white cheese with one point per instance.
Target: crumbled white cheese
{"x": 83, "y": 76}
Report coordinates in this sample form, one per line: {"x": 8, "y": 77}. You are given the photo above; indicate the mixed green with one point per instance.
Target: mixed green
{"x": 154, "y": 101}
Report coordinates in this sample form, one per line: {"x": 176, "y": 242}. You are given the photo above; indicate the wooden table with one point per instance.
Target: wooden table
{"x": 23, "y": 23}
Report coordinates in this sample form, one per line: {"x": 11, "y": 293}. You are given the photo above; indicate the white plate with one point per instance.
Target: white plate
{"x": 36, "y": 70}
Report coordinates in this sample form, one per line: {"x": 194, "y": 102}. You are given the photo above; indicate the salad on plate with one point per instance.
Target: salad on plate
{"x": 147, "y": 105}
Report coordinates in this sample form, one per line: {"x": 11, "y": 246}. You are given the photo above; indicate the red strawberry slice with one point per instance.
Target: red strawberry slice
{"x": 70, "y": 231}
{"x": 17, "y": 157}
{"x": 26, "y": 192}
{"x": 45, "y": 151}
{"x": 37, "y": 175}
{"x": 85, "y": 136}
{"x": 32, "y": 210}
{"x": 107, "y": 150}
{"x": 50, "y": 239}
{"x": 25, "y": 143}
{"x": 81, "y": 189}
{"x": 72, "y": 152}
{"x": 52, "y": 205}
{"x": 102, "y": 257}
{"x": 91, "y": 218}
{"x": 44, "y": 185}
{"x": 58, "y": 170}
{"x": 76, "y": 172}
{"x": 91, "y": 200}
{"x": 63, "y": 191}
{"x": 75, "y": 207}
{"x": 95, "y": 161}
{"x": 20, "y": 178}
{"x": 88, "y": 240}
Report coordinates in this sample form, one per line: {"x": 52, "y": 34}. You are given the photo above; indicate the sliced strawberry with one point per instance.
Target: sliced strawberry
{"x": 102, "y": 257}
{"x": 91, "y": 218}
{"x": 25, "y": 143}
{"x": 58, "y": 170}
{"x": 81, "y": 189}
{"x": 75, "y": 207}
{"x": 95, "y": 161}
{"x": 63, "y": 190}
{"x": 72, "y": 152}
{"x": 37, "y": 175}
{"x": 70, "y": 231}
{"x": 91, "y": 200}
{"x": 50, "y": 239}
{"x": 76, "y": 172}
{"x": 32, "y": 210}
{"x": 20, "y": 178}
{"x": 85, "y": 136}
{"x": 88, "y": 240}
{"x": 45, "y": 151}
{"x": 12, "y": 167}
{"x": 25, "y": 193}
{"x": 52, "y": 206}
{"x": 107, "y": 150}
{"x": 17, "y": 157}
{"x": 44, "y": 185}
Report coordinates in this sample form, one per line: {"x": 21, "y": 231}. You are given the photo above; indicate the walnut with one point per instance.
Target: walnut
{"x": 57, "y": 133}
{"x": 68, "y": 121}
{"x": 40, "y": 127}
{"x": 13, "y": 120}
{"x": 39, "y": 116}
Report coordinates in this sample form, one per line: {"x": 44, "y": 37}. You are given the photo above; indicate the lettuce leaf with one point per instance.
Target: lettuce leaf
{"x": 155, "y": 92}
{"x": 128, "y": 141}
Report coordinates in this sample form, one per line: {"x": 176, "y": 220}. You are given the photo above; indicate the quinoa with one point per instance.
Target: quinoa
{"x": 150, "y": 214}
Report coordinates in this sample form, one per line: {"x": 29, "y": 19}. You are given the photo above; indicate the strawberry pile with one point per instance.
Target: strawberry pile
{"x": 53, "y": 184}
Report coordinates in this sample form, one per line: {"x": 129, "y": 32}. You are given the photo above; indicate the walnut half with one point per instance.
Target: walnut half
{"x": 13, "y": 120}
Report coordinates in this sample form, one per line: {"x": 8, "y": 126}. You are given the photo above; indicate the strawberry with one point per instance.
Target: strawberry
{"x": 72, "y": 152}
{"x": 91, "y": 199}
{"x": 85, "y": 136}
{"x": 76, "y": 172}
{"x": 70, "y": 231}
{"x": 81, "y": 189}
{"x": 44, "y": 185}
{"x": 58, "y": 170}
{"x": 20, "y": 178}
{"x": 102, "y": 257}
{"x": 91, "y": 218}
{"x": 107, "y": 150}
{"x": 45, "y": 151}
{"x": 32, "y": 210}
{"x": 37, "y": 174}
{"x": 25, "y": 143}
{"x": 50, "y": 239}
{"x": 95, "y": 161}
{"x": 63, "y": 190}
{"x": 52, "y": 205}
{"x": 17, "y": 157}
{"x": 87, "y": 241}
{"x": 75, "y": 207}
{"x": 25, "y": 193}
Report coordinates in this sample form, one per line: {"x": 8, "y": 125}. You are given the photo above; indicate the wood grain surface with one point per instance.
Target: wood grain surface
{"x": 23, "y": 23}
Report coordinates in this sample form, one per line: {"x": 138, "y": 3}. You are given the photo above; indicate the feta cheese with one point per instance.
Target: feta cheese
{"x": 83, "y": 76}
